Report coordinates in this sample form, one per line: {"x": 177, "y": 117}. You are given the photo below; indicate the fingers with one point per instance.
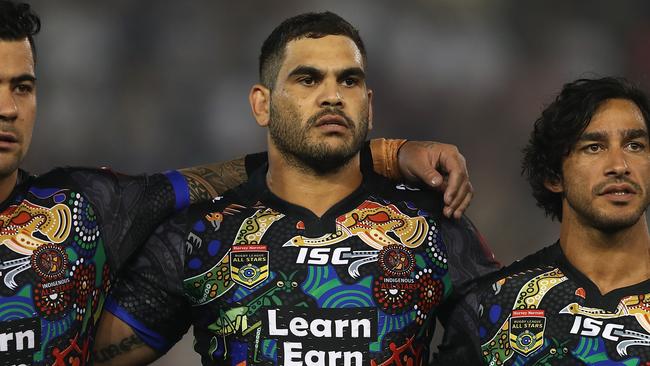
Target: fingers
{"x": 432, "y": 178}
{"x": 458, "y": 181}
{"x": 428, "y": 161}
{"x": 461, "y": 202}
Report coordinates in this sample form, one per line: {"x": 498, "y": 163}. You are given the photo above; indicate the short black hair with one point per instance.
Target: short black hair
{"x": 560, "y": 126}
{"x": 18, "y": 21}
{"x": 307, "y": 25}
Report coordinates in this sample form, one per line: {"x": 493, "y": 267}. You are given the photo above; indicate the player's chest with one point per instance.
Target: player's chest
{"x": 53, "y": 275}
{"x": 551, "y": 322}
{"x": 389, "y": 258}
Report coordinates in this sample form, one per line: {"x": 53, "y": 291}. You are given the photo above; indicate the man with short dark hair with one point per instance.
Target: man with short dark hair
{"x": 65, "y": 234}
{"x": 316, "y": 260}
{"x": 583, "y": 300}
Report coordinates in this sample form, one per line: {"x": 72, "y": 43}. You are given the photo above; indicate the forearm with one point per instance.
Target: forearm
{"x": 117, "y": 344}
{"x": 210, "y": 180}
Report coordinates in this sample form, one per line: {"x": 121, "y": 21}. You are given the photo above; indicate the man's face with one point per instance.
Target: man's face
{"x": 320, "y": 106}
{"x": 17, "y": 103}
{"x": 606, "y": 176}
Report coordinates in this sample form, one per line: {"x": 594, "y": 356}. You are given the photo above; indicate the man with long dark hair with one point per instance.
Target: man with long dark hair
{"x": 583, "y": 300}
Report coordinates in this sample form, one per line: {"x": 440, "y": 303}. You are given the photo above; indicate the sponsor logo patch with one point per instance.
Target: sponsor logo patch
{"x": 249, "y": 264}
{"x": 526, "y": 331}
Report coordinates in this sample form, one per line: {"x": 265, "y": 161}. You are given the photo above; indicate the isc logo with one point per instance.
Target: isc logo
{"x": 322, "y": 256}
{"x": 592, "y": 328}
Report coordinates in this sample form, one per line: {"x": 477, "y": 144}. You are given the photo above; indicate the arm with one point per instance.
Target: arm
{"x": 146, "y": 312}
{"x": 118, "y": 345}
{"x": 461, "y": 343}
{"x": 470, "y": 261}
{"x": 439, "y": 165}
{"x": 468, "y": 255}
{"x": 210, "y": 180}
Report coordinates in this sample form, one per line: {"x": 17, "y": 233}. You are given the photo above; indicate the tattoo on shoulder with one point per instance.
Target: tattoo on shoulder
{"x": 111, "y": 351}
{"x": 208, "y": 181}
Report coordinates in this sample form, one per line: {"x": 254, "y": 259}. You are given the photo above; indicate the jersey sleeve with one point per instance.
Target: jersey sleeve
{"x": 469, "y": 256}
{"x": 148, "y": 294}
{"x": 130, "y": 207}
{"x": 461, "y": 342}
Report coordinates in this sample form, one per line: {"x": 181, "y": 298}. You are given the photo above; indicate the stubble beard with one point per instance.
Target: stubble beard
{"x": 10, "y": 162}
{"x": 298, "y": 149}
{"x": 600, "y": 219}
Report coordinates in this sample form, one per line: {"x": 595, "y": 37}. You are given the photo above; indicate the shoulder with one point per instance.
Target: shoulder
{"x": 426, "y": 201}
{"x": 87, "y": 178}
{"x": 520, "y": 272}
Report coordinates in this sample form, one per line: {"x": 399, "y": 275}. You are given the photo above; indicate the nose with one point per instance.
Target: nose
{"x": 330, "y": 95}
{"x": 616, "y": 164}
{"x": 8, "y": 106}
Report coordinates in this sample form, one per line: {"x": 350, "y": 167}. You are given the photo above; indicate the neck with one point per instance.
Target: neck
{"x": 7, "y": 184}
{"x": 605, "y": 257}
{"x": 303, "y": 187}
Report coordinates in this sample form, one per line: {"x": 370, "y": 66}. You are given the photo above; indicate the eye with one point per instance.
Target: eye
{"x": 350, "y": 82}
{"x": 307, "y": 81}
{"x": 593, "y": 148}
{"x": 24, "y": 88}
{"x": 635, "y": 146}
{"x": 280, "y": 284}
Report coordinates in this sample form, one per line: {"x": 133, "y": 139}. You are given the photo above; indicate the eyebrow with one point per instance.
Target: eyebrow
{"x": 23, "y": 78}
{"x": 316, "y": 73}
{"x": 306, "y": 70}
{"x": 634, "y": 134}
{"x": 628, "y": 134}
{"x": 593, "y": 136}
{"x": 352, "y": 71}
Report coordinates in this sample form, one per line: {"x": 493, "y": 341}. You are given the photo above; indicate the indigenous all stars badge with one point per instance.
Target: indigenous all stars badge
{"x": 396, "y": 261}
{"x": 527, "y": 330}
{"x": 249, "y": 264}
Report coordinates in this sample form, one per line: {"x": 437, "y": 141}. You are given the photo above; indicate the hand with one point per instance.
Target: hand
{"x": 425, "y": 161}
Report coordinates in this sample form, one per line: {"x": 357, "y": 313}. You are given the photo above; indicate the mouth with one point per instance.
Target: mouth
{"x": 618, "y": 192}
{"x": 331, "y": 120}
{"x": 7, "y": 138}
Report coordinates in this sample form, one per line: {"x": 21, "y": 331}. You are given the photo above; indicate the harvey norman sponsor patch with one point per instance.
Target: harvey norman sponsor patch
{"x": 249, "y": 264}
{"x": 527, "y": 330}
{"x": 324, "y": 337}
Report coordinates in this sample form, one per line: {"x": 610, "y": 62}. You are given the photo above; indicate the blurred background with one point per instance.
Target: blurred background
{"x": 144, "y": 86}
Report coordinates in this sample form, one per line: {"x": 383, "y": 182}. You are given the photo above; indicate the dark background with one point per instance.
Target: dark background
{"x": 144, "y": 85}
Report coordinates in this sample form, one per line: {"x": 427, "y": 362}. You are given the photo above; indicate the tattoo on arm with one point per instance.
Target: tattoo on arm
{"x": 114, "y": 350}
{"x": 208, "y": 181}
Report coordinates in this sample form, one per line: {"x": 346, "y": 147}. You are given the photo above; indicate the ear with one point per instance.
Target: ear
{"x": 260, "y": 100}
{"x": 369, "y": 109}
{"x": 554, "y": 185}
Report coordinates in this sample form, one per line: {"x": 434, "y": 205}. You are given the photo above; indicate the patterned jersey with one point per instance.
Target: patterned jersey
{"x": 543, "y": 311}
{"x": 62, "y": 237}
{"x": 265, "y": 282}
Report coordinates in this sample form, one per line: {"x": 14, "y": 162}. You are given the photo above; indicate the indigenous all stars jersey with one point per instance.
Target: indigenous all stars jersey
{"x": 265, "y": 282}
{"x": 62, "y": 236}
{"x": 543, "y": 311}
